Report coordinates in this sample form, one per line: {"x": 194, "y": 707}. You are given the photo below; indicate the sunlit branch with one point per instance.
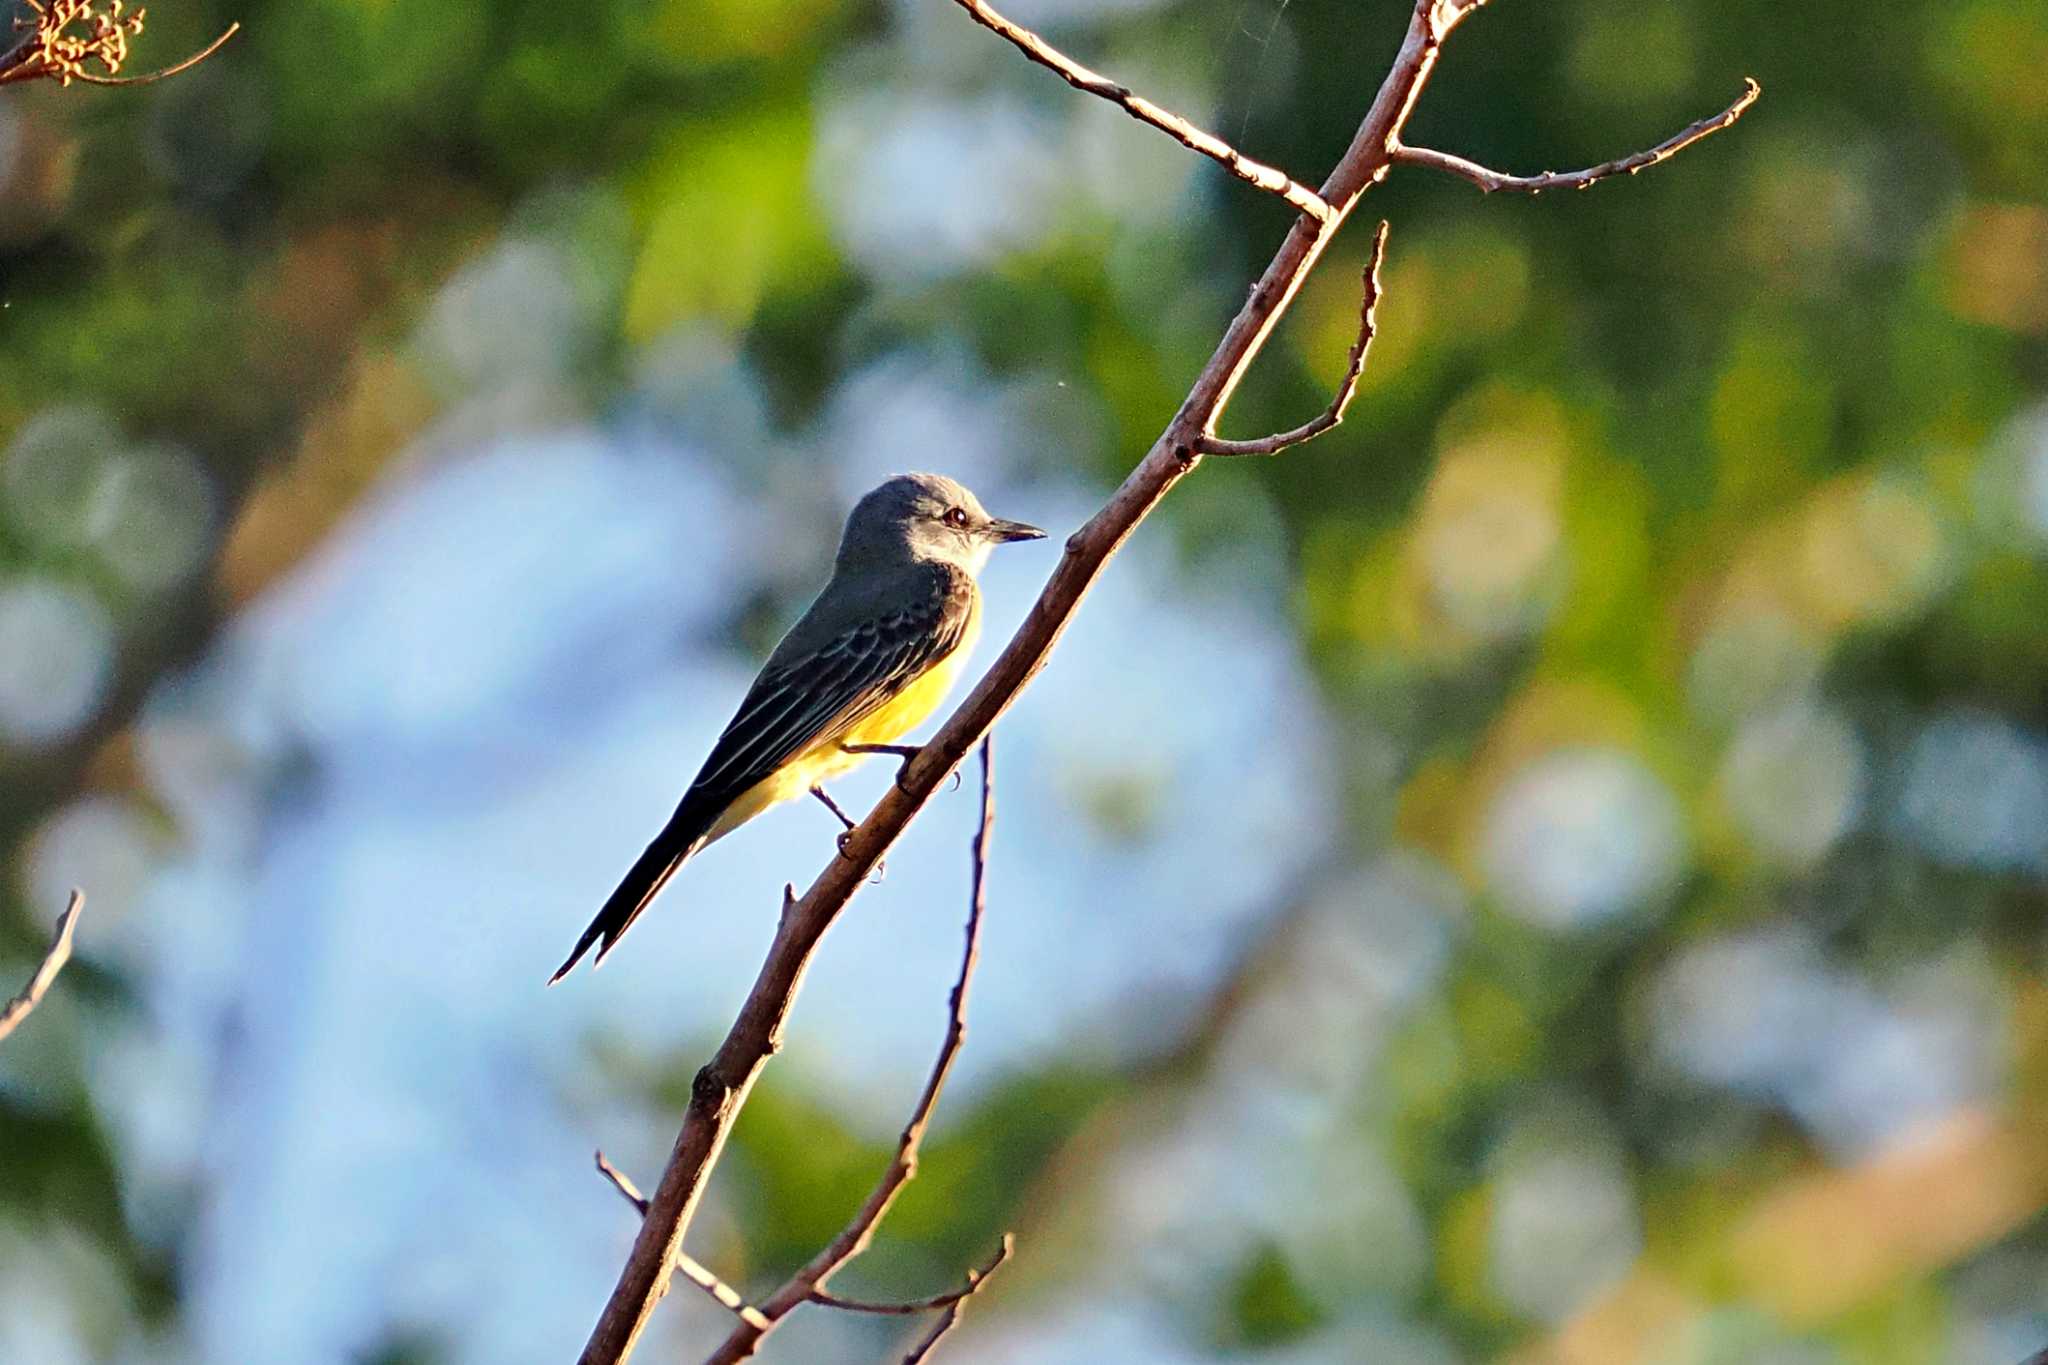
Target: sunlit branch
{"x": 53, "y": 962}
{"x": 1252, "y": 172}
{"x": 1333, "y": 415}
{"x": 63, "y": 36}
{"x": 1491, "y": 180}
{"x": 808, "y": 1284}
{"x": 179, "y": 69}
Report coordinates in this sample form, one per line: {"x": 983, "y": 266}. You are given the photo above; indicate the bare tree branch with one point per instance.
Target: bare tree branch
{"x": 808, "y": 1284}
{"x": 1138, "y": 107}
{"x": 53, "y": 962}
{"x": 1333, "y": 415}
{"x": 723, "y": 1084}
{"x": 1490, "y": 180}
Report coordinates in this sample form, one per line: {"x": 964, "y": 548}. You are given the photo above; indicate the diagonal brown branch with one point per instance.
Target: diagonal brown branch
{"x": 1490, "y": 180}
{"x": 723, "y": 1084}
{"x": 1333, "y": 415}
{"x": 1252, "y": 172}
{"x": 53, "y": 962}
{"x": 809, "y": 1283}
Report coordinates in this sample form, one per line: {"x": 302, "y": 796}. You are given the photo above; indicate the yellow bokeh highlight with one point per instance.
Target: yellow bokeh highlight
{"x": 1870, "y": 550}
{"x": 727, "y": 209}
{"x": 1464, "y": 284}
{"x": 1995, "y": 268}
{"x": 693, "y": 34}
{"x": 1482, "y": 559}
{"x": 1607, "y": 521}
{"x": 347, "y": 444}
{"x": 1770, "y": 416}
{"x": 1988, "y": 59}
{"x": 1823, "y": 1244}
{"x": 1865, "y": 549}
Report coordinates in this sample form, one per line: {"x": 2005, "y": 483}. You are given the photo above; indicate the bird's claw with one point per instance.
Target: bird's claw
{"x": 881, "y": 864}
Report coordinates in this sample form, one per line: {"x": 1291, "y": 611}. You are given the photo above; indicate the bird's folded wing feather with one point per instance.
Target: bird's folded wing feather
{"x": 795, "y": 706}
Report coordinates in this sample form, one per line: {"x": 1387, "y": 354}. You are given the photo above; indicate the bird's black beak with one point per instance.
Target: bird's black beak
{"x": 1006, "y": 531}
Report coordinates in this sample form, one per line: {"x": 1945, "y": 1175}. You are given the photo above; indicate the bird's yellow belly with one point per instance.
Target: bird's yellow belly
{"x": 897, "y": 717}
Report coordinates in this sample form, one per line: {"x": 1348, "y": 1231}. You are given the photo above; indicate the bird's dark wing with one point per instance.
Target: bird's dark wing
{"x": 814, "y": 700}
{"x": 795, "y": 705}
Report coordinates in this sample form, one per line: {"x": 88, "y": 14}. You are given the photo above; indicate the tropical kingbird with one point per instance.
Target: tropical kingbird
{"x": 871, "y": 659}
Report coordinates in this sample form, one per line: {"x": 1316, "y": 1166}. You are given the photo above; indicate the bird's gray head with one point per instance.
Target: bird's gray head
{"x": 924, "y": 517}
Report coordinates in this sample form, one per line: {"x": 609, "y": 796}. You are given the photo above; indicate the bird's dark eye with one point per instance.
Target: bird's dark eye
{"x": 956, "y": 517}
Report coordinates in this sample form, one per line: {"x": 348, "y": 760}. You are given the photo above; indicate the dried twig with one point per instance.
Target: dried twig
{"x": 1333, "y": 415}
{"x": 65, "y": 35}
{"x": 808, "y": 1284}
{"x": 912, "y": 1307}
{"x": 1138, "y": 107}
{"x": 695, "y": 1271}
{"x": 1490, "y": 180}
{"x": 723, "y": 1084}
{"x": 53, "y": 962}
{"x": 956, "y": 1305}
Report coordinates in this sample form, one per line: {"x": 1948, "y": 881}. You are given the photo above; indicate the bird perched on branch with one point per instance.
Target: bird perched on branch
{"x": 873, "y": 657}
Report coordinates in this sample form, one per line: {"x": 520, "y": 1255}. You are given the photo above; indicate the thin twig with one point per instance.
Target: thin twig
{"x": 1267, "y": 178}
{"x": 54, "y": 48}
{"x": 694, "y": 1270}
{"x": 15, "y": 58}
{"x": 1333, "y": 415}
{"x": 916, "y": 1306}
{"x": 53, "y": 962}
{"x": 809, "y": 1282}
{"x": 956, "y": 1306}
{"x": 153, "y": 77}
{"x": 1491, "y": 180}
{"x": 723, "y": 1084}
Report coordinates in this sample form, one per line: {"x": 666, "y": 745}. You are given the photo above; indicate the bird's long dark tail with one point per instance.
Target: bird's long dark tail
{"x": 670, "y": 849}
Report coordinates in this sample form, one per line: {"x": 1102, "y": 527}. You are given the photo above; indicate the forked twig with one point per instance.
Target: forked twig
{"x": 1267, "y": 178}
{"x": 1333, "y": 415}
{"x": 53, "y": 962}
{"x": 1491, "y": 180}
{"x": 808, "y": 1284}
{"x": 693, "y": 1270}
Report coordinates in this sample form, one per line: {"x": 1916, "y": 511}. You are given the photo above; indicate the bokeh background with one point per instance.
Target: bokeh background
{"x": 1551, "y": 872}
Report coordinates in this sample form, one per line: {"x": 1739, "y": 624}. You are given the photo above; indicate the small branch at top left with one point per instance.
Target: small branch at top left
{"x": 63, "y": 38}
{"x": 38, "y": 985}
